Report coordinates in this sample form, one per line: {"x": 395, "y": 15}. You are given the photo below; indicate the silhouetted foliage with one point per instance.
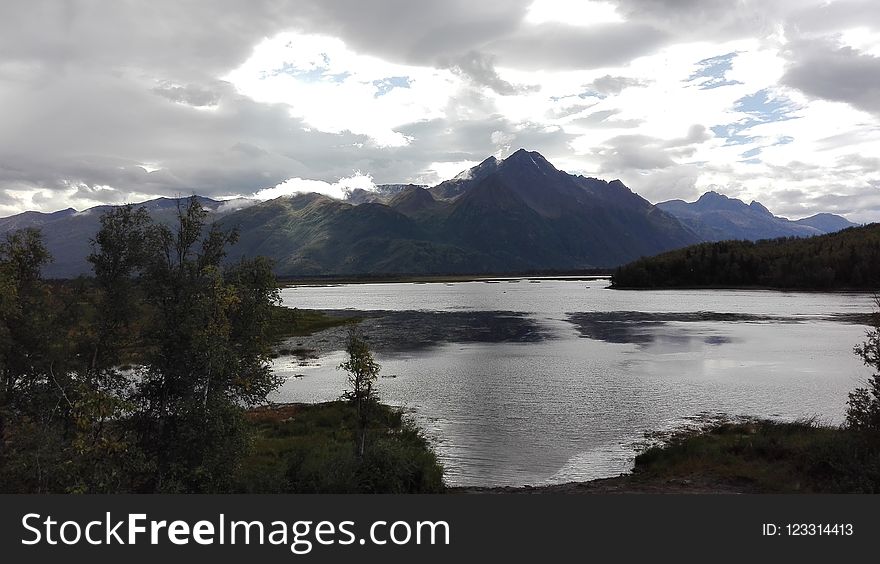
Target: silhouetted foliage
{"x": 863, "y": 410}
{"x": 362, "y": 371}
{"x": 846, "y": 259}
{"x": 74, "y": 417}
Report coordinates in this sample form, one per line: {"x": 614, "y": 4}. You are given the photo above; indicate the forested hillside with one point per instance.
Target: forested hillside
{"x": 847, "y": 259}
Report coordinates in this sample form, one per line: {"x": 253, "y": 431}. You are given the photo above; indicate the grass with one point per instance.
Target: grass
{"x": 767, "y": 457}
{"x": 295, "y": 322}
{"x": 301, "y": 448}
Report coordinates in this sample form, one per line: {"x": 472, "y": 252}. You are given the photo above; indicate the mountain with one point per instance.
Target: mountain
{"x": 415, "y": 201}
{"x": 455, "y": 187}
{"x": 516, "y": 214}
{"x": 715, "y": 217}
{"x": 32, "y": 219}
{"x": 311, "y": 234}
{"x": 67, "y": 233}
{"x": 538, "y": 217}
{"x": 381, "y": 194}
{"x": 826, "y": 222}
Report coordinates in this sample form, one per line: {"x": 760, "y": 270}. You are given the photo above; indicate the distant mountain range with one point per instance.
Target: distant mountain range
{"x": 67, "y": 233}
{"x": 715, "y": 217}
{"x": 510, "y": 215}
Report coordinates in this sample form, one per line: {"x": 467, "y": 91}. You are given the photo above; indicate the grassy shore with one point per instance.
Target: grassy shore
{"x": 301, "y": 448}
{"x": 770, "y": 457}
{"x": 744, "y": 457}
{"x": 295, "y": 322}
{"x": 310, "y": 448}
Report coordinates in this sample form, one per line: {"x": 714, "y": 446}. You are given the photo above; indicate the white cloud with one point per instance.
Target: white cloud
{"x": 333, "y": 89}
{"x": 862, "y": 39}
{"x": 439, "y": 171}
{"x": 337, "y": 190}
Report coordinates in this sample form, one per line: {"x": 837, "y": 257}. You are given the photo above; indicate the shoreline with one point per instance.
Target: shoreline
{"x": 284, "y": 282}
{"x": 627, "y": 483}
{"x": 623, "y": 484}
{"x": 741, "y": 456}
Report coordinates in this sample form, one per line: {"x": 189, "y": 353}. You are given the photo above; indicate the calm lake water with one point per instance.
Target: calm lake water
{"x": 586, "y": 370}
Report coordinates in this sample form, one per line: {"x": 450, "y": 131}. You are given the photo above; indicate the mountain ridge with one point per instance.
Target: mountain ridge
{"x": 716, "y": 217}
{"x": 516, "y": 214}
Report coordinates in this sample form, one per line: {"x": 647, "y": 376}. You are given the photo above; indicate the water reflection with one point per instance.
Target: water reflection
{"x": 644, "y": 328}
{"x": 408, "y": 331}
{"x": 543, "y": 383}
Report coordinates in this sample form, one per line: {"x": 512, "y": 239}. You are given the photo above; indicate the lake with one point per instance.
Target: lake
{"x": 538, "y": 381}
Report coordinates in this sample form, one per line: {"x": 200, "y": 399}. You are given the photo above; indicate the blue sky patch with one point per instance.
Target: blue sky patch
{"x": 712, "y": 72}
{"x": 591, "y": 94}
{"x": 583, "y": 96}
{"x": 730, "y": 133}
{"x": 315, "y": 74}
{"x": 386, "y": 85}
{"x": 759, "y": 107}
{"x": 762, "y": 108}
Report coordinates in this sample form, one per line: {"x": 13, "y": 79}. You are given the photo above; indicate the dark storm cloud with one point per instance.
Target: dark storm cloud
{"x": 822, "y": 69}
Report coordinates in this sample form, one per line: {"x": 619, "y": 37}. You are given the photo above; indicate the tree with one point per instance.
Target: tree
{"x": 24, "y": 331}
{"x": 119, "y": 253}
{"x": 75, "y": 415}
{"x": 22, "y": 327}
{"x": 863, "y": 411}
{"x": 51, "y": 415}
{"x": 363, "y": 371}
{"x": 207, "y": 353}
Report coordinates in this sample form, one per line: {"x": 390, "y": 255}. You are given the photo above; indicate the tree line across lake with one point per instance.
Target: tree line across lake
{"x": 848, "y": 259}
{"x": 137, "y": 379}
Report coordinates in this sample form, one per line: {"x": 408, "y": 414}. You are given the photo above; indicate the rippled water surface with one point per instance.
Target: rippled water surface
{"x": 540, "y": 381}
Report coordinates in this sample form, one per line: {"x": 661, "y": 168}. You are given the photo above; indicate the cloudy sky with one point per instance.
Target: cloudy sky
{"x": 116, "y": 101}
